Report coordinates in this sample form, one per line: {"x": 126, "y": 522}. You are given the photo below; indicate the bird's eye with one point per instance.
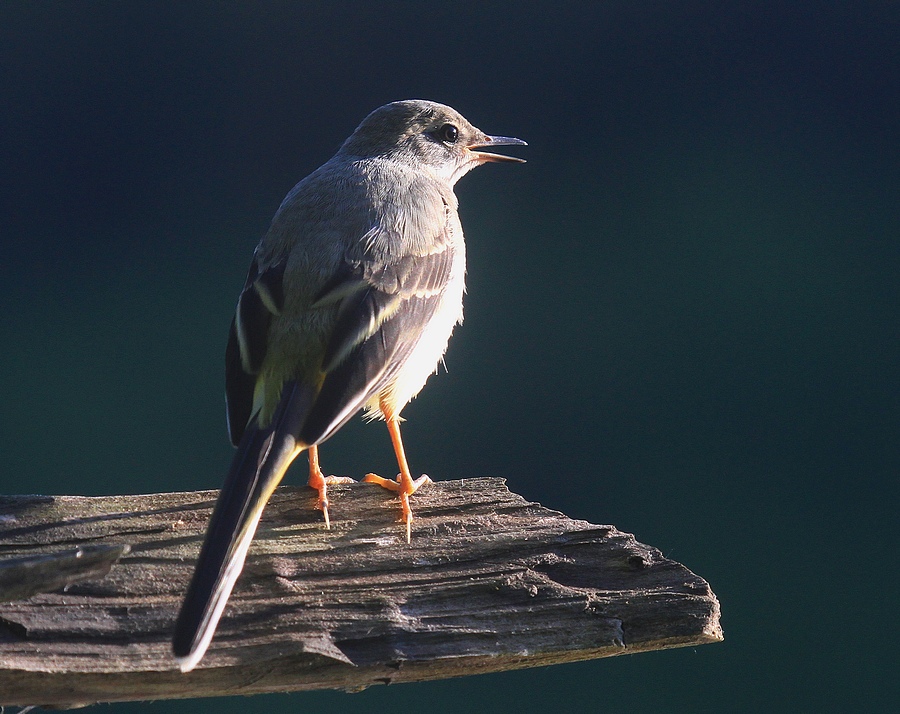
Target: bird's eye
{"x": 448, "y": 134}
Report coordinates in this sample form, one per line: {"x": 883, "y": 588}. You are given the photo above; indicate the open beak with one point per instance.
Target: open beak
{"x": 497, "y": 141}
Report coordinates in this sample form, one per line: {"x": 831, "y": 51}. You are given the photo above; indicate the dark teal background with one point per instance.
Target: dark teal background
{"x": 682, "y": 311}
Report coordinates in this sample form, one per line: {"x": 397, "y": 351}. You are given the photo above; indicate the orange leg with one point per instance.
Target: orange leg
{"x": 404, "y": 484}
{"x": 321, "y": 482}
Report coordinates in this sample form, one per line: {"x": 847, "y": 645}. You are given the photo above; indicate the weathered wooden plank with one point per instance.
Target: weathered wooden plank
{"x": 490, "y": 582}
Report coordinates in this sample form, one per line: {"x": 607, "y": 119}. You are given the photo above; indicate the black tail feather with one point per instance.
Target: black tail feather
{"x": 263, "y": 456}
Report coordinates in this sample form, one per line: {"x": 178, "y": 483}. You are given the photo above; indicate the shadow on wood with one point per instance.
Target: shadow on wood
{"x": 490, "y": 582}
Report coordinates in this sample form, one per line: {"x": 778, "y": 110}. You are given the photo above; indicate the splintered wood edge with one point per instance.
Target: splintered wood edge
{"x": 473, "y": 523}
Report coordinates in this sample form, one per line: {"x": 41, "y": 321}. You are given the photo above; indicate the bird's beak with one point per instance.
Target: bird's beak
{"x": 492, "y": 141}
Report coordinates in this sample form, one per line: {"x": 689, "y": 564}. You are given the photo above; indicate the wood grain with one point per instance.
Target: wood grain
{"x": 490, "y": 582}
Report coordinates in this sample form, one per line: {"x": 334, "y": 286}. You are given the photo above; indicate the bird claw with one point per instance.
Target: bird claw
{"x": 404, "y": 486}
{"x": 321, "y": 483}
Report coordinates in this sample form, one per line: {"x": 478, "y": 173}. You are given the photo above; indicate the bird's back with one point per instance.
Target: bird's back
{"x": 367, "y": 216}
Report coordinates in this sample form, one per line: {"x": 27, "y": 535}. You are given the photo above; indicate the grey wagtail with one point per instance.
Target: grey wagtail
{"x": 349, "y": 303}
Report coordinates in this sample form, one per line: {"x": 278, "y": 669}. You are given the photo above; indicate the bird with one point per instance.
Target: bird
{"x": 349, "y": 303}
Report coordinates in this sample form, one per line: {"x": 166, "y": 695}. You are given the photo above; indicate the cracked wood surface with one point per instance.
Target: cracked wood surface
{"x": 490, "y": 582}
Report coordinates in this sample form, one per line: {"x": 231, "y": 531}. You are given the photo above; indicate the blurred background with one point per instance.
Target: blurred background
{"x": 681, "y": 319}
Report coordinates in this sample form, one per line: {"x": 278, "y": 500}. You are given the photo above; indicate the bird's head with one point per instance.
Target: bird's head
{"x": 428, "y": 134}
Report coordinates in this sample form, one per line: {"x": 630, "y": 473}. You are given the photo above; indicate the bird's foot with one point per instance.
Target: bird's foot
{"x": 405, "y": 487}
{"x": 320, "y": 482}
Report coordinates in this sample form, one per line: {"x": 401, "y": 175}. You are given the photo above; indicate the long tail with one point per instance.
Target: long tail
{"x": 262, "y": 458}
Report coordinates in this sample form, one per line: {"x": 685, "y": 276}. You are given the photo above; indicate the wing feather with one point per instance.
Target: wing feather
{"x": 261, "y": 299}
{"x": 378, "y": 326}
